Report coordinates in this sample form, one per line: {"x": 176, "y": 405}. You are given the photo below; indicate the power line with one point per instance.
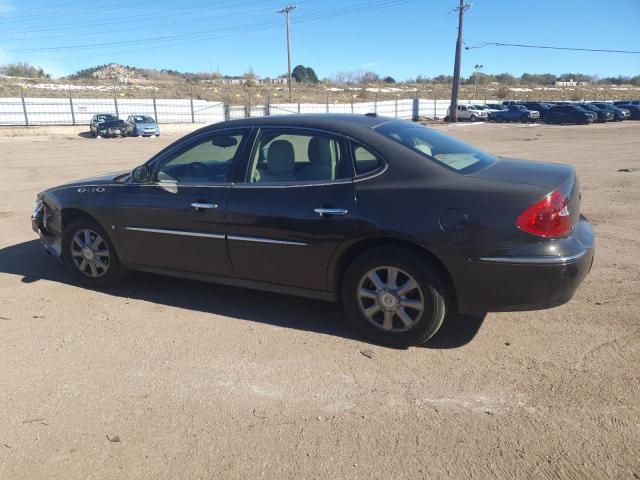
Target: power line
{"x": 63, "y": 13}
{"x": 550, "y": 47}
{"x": 146, "y": 27}
{"x": 198, "y": 36}
{"x": 184, "y": 10}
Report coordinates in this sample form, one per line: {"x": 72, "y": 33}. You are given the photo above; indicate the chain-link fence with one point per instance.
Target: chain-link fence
{"x": 56, "y": 104}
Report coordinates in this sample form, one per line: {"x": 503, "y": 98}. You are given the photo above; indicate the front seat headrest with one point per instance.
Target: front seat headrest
{"x": 280, "y": 157}
{"x": 319, "y": 151}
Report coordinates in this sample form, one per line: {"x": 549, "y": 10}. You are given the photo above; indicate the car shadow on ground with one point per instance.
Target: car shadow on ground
{"x": 29, "y": 260}
{"x": 85, "y": 135}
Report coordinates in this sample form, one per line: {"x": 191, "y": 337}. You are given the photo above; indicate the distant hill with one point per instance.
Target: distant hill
{"x": 125, "y": 74}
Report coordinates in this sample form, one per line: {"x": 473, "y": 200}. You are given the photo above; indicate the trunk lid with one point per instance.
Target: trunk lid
{"x": 549, "y": 176}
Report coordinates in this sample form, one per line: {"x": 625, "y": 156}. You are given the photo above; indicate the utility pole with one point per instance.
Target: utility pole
{"x": 475, "y": 89}
{"x": 286, "y": 10}
{"x": 453, "y": 109}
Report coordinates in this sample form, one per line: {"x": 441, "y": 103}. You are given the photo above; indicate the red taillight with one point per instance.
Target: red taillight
{"x": 547, "y": 218}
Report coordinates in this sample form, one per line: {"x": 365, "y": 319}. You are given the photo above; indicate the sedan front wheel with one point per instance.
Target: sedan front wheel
{"x": 394, "y": 297}
{"x": 89, "y": 254}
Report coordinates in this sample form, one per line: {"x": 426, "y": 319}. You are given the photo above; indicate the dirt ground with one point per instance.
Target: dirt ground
{"x": 165, "y": 378}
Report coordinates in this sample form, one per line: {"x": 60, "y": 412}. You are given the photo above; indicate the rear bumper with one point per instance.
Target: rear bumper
{"x": 532, "y": 282}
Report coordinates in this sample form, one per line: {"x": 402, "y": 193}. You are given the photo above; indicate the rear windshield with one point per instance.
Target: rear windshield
{"x": 437, "y": 146}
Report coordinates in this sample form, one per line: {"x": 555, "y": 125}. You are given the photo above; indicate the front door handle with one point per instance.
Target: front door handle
{"x": 204, "y": 206}
{"x": 330, "y": 211}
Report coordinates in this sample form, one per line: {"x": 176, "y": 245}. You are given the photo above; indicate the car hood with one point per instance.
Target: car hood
{"x": 111, "y": 123}
{"x": 97, "y": 181}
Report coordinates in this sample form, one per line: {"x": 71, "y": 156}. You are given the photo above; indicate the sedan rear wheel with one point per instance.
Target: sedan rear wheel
{"x": 390, "y": 298}
{"x": 394, "y": 297}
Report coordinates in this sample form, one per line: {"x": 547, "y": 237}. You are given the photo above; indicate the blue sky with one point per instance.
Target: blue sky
{"x": 401, "y": 38}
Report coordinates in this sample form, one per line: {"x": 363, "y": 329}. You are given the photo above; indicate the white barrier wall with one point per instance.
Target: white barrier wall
{"x": 78, "y": 111}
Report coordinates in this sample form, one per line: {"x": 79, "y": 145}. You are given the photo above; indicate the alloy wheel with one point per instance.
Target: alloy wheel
{"x": 90, "y": 253}
{"x": 390, "y": 299}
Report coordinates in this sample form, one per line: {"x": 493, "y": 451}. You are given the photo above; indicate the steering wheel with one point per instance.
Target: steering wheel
{"x": 197, "y": 170}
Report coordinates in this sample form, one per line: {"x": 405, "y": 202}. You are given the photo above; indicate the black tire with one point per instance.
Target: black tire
{"x": 499, "y": 119}
{"x": 473, "y": 118}
{"x": 430, "y": 291}
{"x": 447, "y": 118}
{"x": 93, "y": 134}
{"x": 113, "y": 274}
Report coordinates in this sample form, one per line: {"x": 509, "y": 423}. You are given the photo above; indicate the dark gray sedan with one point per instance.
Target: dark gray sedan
{"x": 399, "y": 222}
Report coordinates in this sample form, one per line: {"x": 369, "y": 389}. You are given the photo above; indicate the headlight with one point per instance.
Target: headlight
{"x": 37, "y": 207}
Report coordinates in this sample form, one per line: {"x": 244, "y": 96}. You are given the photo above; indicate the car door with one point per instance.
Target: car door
{"x": 292, "y": 206}
{"x": 176, "y": 221}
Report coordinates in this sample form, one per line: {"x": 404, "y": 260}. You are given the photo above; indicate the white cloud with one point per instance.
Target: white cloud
{"x": 6, "y": 8}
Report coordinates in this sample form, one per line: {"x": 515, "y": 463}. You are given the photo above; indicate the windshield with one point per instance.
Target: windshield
{"x": 437, "y": 146}
{"x": 143, "y": 119}
{"x": 106, "y": 118}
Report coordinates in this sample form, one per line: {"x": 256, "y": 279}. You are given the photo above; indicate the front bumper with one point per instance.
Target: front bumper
{"x": 40, "y": 223}
{"x": 146, "y": 132}
{"x": 532, "y": 282}
{"x": 112, "y": 131}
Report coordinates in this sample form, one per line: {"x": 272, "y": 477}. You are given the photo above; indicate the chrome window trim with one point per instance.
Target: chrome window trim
{"x": 541, "y": 260}
{"x": 176, "y": 232}
{"x": 292, "y": 184}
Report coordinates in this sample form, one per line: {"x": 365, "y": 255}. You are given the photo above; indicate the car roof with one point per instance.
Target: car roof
{"x": 313, "y": 120}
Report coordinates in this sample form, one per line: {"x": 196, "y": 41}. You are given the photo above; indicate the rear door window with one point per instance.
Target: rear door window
{"x": 288, "y": 156}
{"x": 365, "y": 160}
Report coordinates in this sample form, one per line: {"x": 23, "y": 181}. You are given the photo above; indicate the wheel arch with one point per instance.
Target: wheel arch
{"x": 346, "y": 258}
{"x": 70, "y": 214}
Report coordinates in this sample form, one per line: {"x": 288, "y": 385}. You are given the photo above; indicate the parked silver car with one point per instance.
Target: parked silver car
{"x": 142, "y": 126}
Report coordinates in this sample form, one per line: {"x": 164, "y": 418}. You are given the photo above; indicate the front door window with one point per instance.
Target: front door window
{"x": 207, "y": 160}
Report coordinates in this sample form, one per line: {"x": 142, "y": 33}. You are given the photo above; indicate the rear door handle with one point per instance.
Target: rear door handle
{"x": 205, "y": 206}
{"x": 330, "y": 211}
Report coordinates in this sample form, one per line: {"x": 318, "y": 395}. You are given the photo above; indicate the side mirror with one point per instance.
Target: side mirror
{"x": 141, "y": 174}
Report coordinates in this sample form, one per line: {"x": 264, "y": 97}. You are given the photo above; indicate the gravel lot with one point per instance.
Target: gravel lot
{"x": 166, "y": 378}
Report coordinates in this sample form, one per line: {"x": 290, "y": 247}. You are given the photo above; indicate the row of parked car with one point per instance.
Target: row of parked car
{"x": 548, "y": 112}
{"x": 109, "y": 125}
